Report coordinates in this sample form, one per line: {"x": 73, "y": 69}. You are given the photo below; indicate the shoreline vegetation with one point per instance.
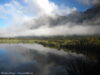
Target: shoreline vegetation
{"x": 90, "y": 46}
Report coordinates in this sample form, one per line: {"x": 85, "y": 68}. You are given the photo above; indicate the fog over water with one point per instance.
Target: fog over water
{"x": 35, "y": 59}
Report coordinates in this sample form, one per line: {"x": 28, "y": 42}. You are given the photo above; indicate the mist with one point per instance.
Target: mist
{"x": 54, "y": 20}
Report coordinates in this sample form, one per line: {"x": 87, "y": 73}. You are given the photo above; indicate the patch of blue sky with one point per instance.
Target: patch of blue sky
{"x": 72, "y": 3}
{"x": 4, "y": 1}
{"x": 3, "y": 23}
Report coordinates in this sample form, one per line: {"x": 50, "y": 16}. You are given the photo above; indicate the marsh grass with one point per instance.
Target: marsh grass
{"x": 87, "y": 46}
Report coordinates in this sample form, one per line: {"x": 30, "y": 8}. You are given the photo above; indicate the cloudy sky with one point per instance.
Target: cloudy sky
{"x": 18, "y": 17}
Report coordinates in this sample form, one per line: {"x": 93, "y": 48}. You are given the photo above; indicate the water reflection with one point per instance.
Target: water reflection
{"x": 34, "y": 59}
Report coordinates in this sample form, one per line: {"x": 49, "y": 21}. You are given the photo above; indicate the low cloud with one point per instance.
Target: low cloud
{"x": 20, "y": 17}
{"x": 41, "y": 18}
{"x": 45, "y": 30}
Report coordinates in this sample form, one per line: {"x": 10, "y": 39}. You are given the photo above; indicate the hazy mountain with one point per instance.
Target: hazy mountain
{"x": 89, "y": 19}
{"x": 90, "y": 16}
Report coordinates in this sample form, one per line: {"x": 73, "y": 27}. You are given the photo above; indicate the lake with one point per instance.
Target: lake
{"x": 34, "y": 59}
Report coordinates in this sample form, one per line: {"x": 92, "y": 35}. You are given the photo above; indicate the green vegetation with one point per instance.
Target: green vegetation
{"x": 14, "y": 40}
{"x": 86, "y": 45}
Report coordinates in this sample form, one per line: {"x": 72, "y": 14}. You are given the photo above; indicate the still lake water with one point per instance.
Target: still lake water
{"x": 34, "y": 59}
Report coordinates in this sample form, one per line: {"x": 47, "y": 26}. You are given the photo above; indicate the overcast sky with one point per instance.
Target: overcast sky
{"x": 17, "y": 17}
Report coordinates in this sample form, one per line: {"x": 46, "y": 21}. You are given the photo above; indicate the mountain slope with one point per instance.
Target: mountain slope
{"x": 89, "y": 17}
